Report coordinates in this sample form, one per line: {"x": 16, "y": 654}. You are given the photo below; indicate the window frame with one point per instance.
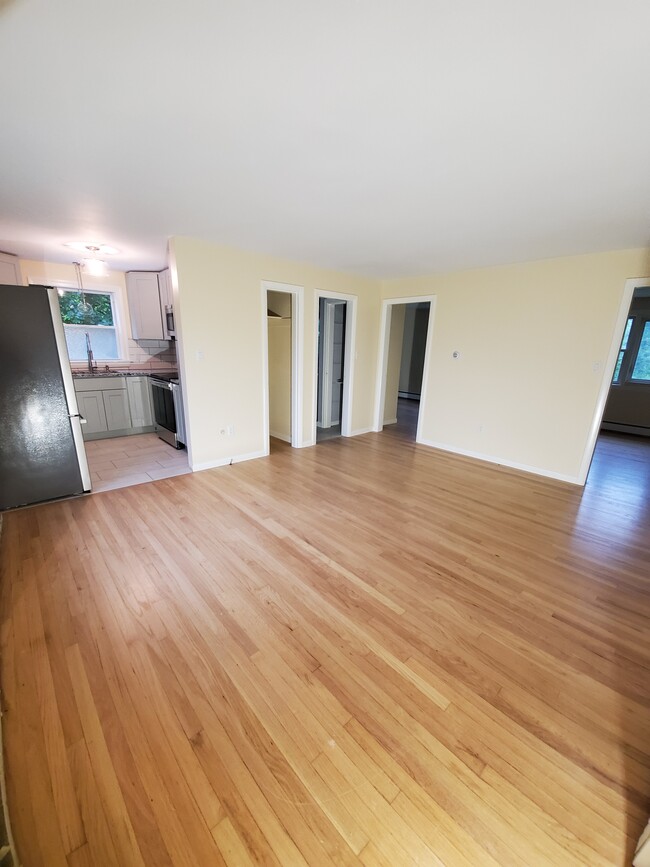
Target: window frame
{"x": 119, "y": 315}
{"x": 631, "y": 351}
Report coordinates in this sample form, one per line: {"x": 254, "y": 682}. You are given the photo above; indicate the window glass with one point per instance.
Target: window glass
{"x": 617, "y": 369}
{"x": 626, "y": 336}
{"x": 89, "y": 317}
{"x": 103, "y": 342}
{"x": 641, "y": 368}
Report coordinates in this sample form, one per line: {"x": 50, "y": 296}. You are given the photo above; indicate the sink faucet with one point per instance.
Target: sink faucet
{"x": 89, "y": 353}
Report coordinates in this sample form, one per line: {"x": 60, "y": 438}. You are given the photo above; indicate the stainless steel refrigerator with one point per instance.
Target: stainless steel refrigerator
{"x": 42, "y": 455}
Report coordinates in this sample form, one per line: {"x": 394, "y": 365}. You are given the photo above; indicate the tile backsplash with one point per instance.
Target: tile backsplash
{"x": 144, "y": 355}
{"x": 152, "y": 353}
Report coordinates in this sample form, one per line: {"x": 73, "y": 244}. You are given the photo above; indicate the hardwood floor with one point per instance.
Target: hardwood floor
{"x": 367, "y": 652}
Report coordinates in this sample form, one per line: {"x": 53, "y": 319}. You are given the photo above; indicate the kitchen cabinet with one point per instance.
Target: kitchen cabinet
{"x": 114, "y": 405}
{"x": 104, "y": 403}
{"x": 91, "y": 407}
{"x": 145, "y": 309}
{"x": 139, "y": 391}
{"x": 10, "y": 270}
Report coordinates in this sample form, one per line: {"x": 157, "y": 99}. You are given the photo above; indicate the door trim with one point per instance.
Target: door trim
{"x": 297, "y": 360}
{"x": 382, "y": 360}
{"x": 608, "y": 373}
{"x": 68, "y": 387}
{"x": 349, "y": 359}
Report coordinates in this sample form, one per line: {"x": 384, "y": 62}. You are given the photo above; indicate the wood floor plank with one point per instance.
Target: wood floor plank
{"x": 368, "y": 652}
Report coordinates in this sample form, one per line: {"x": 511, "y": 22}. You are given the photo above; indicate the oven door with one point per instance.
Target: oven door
{"x": 162, "y": 396}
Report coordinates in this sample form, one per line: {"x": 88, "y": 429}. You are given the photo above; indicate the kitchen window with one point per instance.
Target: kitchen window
{"x": 633, "y": 364}
{"x": 90, "y": 313}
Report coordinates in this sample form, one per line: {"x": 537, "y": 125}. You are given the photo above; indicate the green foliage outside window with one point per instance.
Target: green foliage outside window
{"x": 91, "y": 308}
{"x": 642, "y": 363}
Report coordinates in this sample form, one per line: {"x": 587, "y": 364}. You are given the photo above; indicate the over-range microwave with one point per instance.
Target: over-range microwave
{"x": 169, "y": 320}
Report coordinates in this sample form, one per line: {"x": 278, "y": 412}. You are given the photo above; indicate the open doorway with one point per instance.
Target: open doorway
{"x": 406, "y": 335}
{"x": 332, "y": 315}
{"x": 622, "y": 454}
{"x": 336, "y": 315}
{"x": 282, "y": 351}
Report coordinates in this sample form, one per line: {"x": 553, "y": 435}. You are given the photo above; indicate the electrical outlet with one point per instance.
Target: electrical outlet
{"x": 231, "y": 430}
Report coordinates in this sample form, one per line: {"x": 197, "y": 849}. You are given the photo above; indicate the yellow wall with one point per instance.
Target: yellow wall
{"x": 280, "y": 377}
{"x": 220, "y": 314}
{"x": 524, "y": 389}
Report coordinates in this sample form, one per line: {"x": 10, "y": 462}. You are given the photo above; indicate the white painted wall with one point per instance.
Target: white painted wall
{"x": 534, "y": 340}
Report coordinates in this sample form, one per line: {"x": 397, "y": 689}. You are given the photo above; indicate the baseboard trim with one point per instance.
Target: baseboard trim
{"x": 390, "y": 421}
{"x": 223, "y": 462}
{"x": 637, "y": 430}
{"x": 279, "y": 436}
{"x": 357, "y": 433}
{"x": 490, "y": 459}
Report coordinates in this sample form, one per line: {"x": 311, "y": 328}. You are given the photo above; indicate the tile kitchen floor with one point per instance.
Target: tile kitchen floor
{"x": 123, "y": 461}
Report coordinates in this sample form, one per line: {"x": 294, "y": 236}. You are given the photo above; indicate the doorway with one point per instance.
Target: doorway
{"x": 621, "y": 371}
{"x": 282, "y": 360}
{"x": 335, "y": 319}
{"x": 622, "y": 454}
{"x": 404, "y": 351}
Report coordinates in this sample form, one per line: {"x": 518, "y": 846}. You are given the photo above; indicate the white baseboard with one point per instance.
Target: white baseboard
{"x": 626, "y": 428}
{"x": 222, "y": 462}
{"x": 390, "y": 421}
{"x": 537, "y": 471}
{"x": 279, "y": 436}
{"x": 363, "y": 430}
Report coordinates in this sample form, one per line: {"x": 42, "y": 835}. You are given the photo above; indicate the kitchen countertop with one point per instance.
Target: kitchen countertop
{"x": 100, "y": 374}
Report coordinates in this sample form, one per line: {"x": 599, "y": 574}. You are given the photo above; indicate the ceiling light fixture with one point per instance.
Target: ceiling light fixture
{"x": 95, "y": 267}
{"x": 92, "y": 247}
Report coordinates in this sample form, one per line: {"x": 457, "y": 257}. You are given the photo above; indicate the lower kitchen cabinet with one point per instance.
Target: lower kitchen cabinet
{"x": 114, "y": 406}
{"x": 139, "y": 390}
{"x": 91, "y": 407}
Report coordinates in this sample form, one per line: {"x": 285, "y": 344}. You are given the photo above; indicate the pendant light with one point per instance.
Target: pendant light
{"x": 85, "y": 306}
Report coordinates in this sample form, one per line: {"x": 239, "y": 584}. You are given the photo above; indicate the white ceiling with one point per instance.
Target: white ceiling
{"x": 367, "y": 135}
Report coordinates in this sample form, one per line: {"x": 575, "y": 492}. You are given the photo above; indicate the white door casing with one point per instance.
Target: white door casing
{"x": 297, "y": 360}
{"x": 349, "y": 359}
{"x": 382, "y": 361}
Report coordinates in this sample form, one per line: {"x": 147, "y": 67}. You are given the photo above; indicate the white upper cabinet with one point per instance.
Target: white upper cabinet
{"x": 144, "y": 305}
{"x": 10, "y": 270}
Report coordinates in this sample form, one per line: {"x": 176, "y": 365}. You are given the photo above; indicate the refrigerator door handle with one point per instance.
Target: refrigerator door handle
{"x": 78, "y": 415}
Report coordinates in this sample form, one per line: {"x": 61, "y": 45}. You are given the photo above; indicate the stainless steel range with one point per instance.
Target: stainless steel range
{"x": 168, "y": 409}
